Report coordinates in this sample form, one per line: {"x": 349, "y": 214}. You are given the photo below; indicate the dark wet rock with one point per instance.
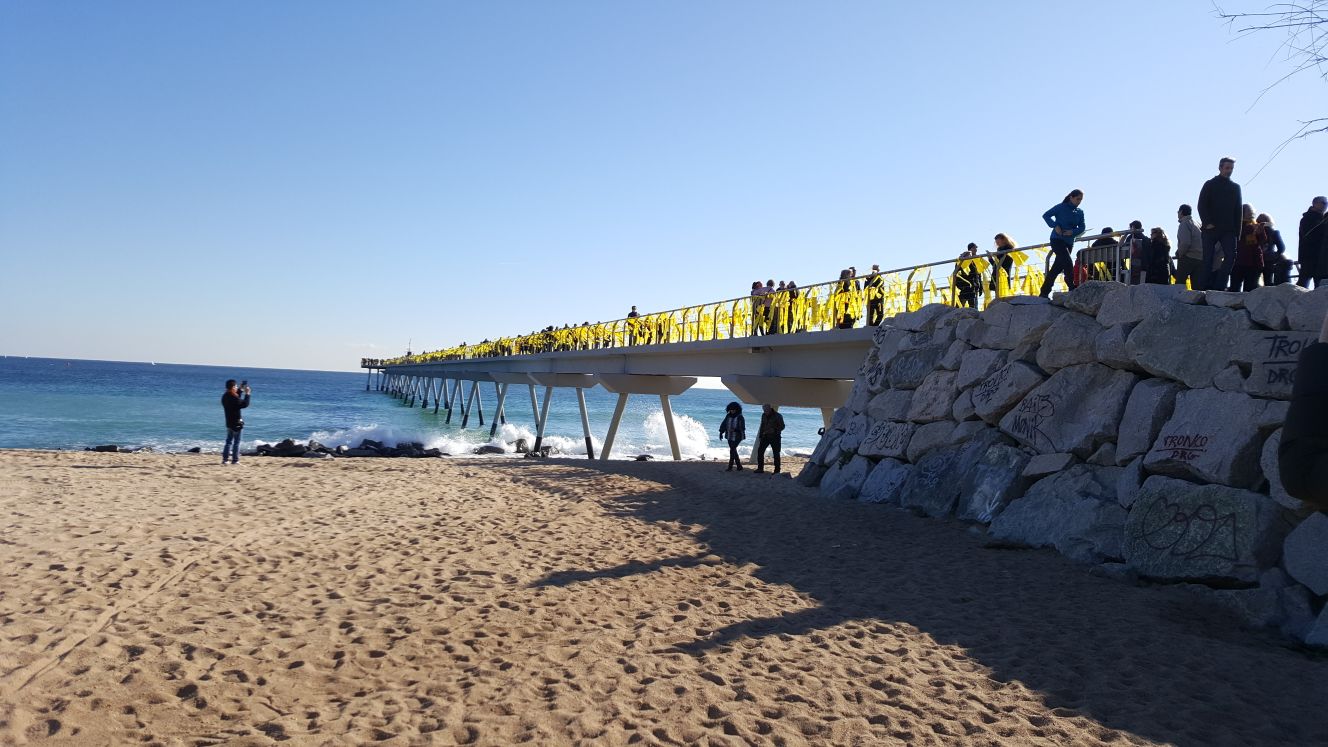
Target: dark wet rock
{"x": 489, "y": 449}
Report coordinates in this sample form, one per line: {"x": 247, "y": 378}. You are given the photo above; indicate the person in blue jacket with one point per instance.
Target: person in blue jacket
{"x": 1066, "y": 221}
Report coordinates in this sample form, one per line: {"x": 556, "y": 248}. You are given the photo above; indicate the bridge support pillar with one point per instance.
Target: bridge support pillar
{"x": 627, "y": 384}
{"x": 579, "y": 382}
{"x": 470, "y": 400}
{"x": 502, "y": 381}
{"x": 452, "y": 401}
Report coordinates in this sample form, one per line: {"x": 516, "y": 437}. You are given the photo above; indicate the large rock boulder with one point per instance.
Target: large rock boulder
{"x": 1268, "y": 304}
{"x": 933, "y": 400}
{"x": 1212, "y": 437}
{"x": 909, "y": 368}
{"x": 887, "y": 438}
{"x": 921, "y": 320}
{"x": 882, "y": 485}
{"x": 954, "y": 356}
{"x": 1005, "y": 324}
{"x": 1003, "y": 389}
{"x": 963, "y": 408}
{"x": 1305, "y": 553}
{"x": 858, "y": 397}
{"x": 1109, "y": 347}
{"x": 934, "y": 484}
{"x": 892, "y": 404}
{"x": 1151, "y": 404}
{"x": 1179, "y": 531}
{"x": 1129, "y": 304}
{"x": 928, "y": 437}
{"x": 811, "y": 473}
{"x": 1077, "y": 410}
{"x": 1068, "y": 342}
{"x": 1307, "y": 311}
{"x": 873, "y": 372}
{"x": 1074, "y": 511}
{"x": 993, "y": 481}
{"x": 854, "y": 433}
{"x": 1087, "y": 298}
{"x": 844, "y": 479}
{"x": 978, "y": 364}
{"x": 1272, "y": 358}
{"x": 1164, "y": 344}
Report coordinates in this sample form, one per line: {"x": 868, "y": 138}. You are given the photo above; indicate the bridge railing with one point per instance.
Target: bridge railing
{"x": 837, "y": 304}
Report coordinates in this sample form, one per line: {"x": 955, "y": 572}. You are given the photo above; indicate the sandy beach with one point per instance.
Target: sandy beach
{"x": 154, "y": 599}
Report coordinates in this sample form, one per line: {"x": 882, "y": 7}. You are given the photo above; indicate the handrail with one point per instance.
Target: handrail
{"x": 840, "y": 303}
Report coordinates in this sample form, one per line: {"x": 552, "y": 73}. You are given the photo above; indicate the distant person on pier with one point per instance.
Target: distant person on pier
{"x": 792, "y": 294}
{"x": 1219, "y": 218}
{"x": 875, "y": 287}
{"x": 843, "y": 305}
{"x": 1313, "y": 251}
{"x": 1247, "y": 270}
{"x": 758, "y": 308}
{"x": 232, "y": 403}
{"x": 1276, "y": 264}
{"x": 733, "y": 429}
{"x": 1105, "y": 239}
{"x": 1002, "y": 264}
{"x": 967, "y": 279}
{"x": 769, "y": 434}
{"x": 1189, "y": 247}
{"x": 1066, "y": 222}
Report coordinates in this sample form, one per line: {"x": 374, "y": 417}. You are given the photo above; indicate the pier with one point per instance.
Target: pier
{"x": 800, "y": 347}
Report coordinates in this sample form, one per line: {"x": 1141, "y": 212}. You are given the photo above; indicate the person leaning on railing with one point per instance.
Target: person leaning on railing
{"x": 967, "y": 280}
{"x": 1002, "y": 264}
{"x": 1303, "y": 455}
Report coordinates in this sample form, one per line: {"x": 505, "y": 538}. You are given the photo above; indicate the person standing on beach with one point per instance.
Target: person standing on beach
{"x": 768, "y": 434}
{"x": 733, "y": 430}
{"x": 1066, "y": 222}
{"x": 232, "y": 403}
{"x": 1219, "y": 213}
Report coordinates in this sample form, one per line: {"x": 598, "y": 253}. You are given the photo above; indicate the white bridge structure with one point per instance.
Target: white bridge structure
{"x": 804, "y": 369}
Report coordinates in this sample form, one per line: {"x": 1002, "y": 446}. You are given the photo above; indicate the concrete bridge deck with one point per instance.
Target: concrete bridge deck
{"x": 808, "y": 369}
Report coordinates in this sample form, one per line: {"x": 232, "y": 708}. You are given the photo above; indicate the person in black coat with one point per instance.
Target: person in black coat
{"x": 1303, "y": 456}
{"x": 1219, "y": 215}
{"x": 1314, "y": 244}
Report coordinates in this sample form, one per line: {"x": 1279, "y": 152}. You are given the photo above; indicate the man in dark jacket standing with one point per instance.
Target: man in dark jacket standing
{"x": 1303, "y": 456}
{"x": 1314, "y": 244}
{"x": 1219, "y": 214}
{"x": 232, "y": 403}
{"x": 768, "y": 434}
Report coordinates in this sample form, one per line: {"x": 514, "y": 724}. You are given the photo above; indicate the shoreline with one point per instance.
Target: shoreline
{"x": 561, "y": 600}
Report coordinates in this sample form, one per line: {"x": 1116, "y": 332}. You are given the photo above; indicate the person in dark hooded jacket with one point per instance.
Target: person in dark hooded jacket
{"x": 733, "y": 430}
{"x": 1303, "y": 455}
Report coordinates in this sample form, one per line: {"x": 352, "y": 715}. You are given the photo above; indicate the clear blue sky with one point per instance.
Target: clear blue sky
{"x": 299, "y": 184}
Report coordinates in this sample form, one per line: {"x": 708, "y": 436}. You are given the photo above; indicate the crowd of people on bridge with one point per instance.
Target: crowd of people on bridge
{"x": 1232, "y": 247}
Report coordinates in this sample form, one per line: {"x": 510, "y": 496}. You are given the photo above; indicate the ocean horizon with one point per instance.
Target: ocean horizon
{"x": 75, "y": 404}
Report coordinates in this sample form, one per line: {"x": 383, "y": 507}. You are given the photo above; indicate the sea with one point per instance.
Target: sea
{"x": 48, "y": 403}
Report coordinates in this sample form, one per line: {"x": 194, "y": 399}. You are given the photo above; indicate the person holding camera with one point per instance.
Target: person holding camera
{"x": 232, "y": 402}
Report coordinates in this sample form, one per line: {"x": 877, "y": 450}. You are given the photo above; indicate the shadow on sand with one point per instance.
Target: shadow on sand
{"x": 1154, "y": 661}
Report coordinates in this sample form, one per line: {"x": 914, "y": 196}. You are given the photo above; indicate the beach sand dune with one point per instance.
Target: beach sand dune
{"x": 150, "y": 599}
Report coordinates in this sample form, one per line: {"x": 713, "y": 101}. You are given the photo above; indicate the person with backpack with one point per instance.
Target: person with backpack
{"x": 967, "y": 280}
{"x": 733, "y": 430}
{"x": 1136, "y": 247}
{"x": 1066, "y": 221}
{"x": 1248, "y": 267}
